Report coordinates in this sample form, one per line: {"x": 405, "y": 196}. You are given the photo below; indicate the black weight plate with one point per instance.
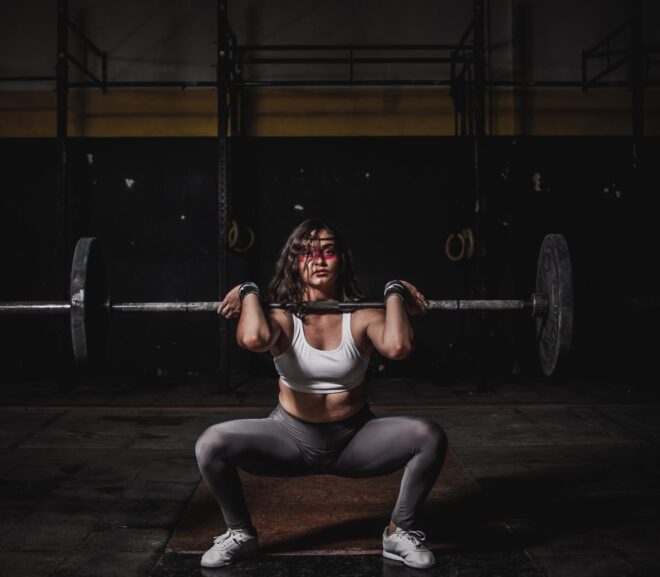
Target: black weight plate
{"x": 554, "y": 277}
{"x": 89, "y": 305}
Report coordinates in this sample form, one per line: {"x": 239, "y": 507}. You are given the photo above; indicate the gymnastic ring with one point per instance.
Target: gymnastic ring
{"x": 232, "y": 234}
{"x": 461, "y": 254}
{"x": 250, "y": 242}
{"x": 469, "y": 237}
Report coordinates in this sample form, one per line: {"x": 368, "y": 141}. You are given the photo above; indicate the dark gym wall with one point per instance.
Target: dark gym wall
{"x": 151, "y": 202}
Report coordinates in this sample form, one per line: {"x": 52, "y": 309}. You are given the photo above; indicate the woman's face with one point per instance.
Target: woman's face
{"x": 318, "y": 262}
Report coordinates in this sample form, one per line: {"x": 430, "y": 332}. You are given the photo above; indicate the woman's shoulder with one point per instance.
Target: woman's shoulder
{"x": 284, "y": 319}
{"x": 281, "y": 316}
{"x": 364, "y": 317}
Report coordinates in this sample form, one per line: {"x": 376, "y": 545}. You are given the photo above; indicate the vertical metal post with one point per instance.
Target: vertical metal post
{"x": 637, "y": 72}
{"x": 234, "y": 95}
{"x": 479, "y": 112}
{"x": 222, "y": 78}
{"x": 64, "y": 373}
{"x": 104, "y": 72}
{"x": 479, "y": 68}
{"x": 62, "y": 134}
{"x": 489, "y": 66}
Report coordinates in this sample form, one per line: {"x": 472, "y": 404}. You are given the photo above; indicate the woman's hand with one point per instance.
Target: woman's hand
{"x": 415, "y": 301}
{"x": 230, "y": 306}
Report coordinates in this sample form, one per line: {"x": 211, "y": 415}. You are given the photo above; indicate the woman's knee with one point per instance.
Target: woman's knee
{"x": 432, "y": 436}
{"x": 211, "y": 445}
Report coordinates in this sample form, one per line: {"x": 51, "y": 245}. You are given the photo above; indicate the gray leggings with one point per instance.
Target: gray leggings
{"x": 284, "y": 446}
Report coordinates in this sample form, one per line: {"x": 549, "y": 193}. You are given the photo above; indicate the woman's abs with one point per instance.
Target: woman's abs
{"x": 319, "y": 408}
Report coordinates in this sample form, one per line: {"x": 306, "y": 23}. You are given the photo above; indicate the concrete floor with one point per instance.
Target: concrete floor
{"x": 94, "y": 479}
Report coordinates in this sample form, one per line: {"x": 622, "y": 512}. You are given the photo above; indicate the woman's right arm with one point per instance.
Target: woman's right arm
{"x": 255, "y": 332}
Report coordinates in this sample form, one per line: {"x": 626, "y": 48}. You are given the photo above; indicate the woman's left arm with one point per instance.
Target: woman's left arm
{"x": 391, "y": 333}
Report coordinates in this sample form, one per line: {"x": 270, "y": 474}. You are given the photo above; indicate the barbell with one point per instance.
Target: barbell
{"x": 90, "y": 306}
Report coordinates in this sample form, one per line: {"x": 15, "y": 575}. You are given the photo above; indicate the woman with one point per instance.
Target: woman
{"x": 322, "y": 424}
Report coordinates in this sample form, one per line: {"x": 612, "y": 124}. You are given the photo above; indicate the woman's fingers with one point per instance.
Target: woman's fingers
{"x": 419, "y": 301}
{"x": 227, "y": 310}
{"x": 224, "y": 305}
{"x": 422, "y": 303}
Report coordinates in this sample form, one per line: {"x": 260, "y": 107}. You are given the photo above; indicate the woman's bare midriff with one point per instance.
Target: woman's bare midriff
{"x": 318, "y": 408}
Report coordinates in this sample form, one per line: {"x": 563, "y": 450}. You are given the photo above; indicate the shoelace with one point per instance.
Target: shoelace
{"x": 228, "y": 538}
{"x": 415, "y": 537}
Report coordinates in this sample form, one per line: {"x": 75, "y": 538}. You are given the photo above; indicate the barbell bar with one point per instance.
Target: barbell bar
{"x": 90, "y": 306}
{"x": 538, "y": 305}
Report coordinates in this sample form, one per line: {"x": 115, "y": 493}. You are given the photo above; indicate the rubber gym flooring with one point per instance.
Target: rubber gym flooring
{"x": 542, "y": 479}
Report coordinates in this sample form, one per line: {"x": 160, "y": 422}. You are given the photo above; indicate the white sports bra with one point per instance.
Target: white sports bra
{"x": 308, "y": 370}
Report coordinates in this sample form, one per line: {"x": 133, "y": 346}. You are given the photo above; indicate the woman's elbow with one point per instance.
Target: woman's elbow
{"x": 257, "y": 343}
{"x": 400, "y": 351}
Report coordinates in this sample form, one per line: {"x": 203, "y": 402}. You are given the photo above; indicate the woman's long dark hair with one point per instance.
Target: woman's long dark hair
{"x": 287, "y": 287}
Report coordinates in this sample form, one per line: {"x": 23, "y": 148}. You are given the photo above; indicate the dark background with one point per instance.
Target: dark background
{"x": 395, "y": 199}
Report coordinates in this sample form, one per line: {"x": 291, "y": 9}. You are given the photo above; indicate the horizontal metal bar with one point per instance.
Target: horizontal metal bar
{"x": 348, "y": 83}
{"x": 446, "y": 305}
{"x": 166, "y": 307}
{"x": 28, "y": 78}
{"x": 538, "y": 304}
{"x": 294, "y": 83}
{"x": 182, "y": 84}
{"x": 479, "y": 305}
{"x": 354, "y": 47}
{"x": 361, "y": 60}
{"x": 34, "y": 308}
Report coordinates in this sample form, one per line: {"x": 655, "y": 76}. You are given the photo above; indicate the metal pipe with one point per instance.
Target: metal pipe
{"x": 637, "y": 73}
{"x": 539, "y": 303}
{"x": 34, "y": 308}
{"x": 321, "y": 47}
{"x": 62, "y": 70}
{"x": 183, "y": 84}
{"x": 352, "y": 83}
{"x": 363, "y": 60}
{"x": 223, "y": 73}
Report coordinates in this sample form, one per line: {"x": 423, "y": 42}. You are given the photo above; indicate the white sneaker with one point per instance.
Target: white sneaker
{"x": 231, "y": 546}
{"x": 407, "y": 547}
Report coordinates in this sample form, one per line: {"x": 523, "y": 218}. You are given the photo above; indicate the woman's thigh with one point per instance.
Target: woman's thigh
{"x": 258, "y": 446}
{"x": 386, "y": 444}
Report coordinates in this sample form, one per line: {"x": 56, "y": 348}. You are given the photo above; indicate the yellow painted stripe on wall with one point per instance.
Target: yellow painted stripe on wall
{"x": 321, "y": 112}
